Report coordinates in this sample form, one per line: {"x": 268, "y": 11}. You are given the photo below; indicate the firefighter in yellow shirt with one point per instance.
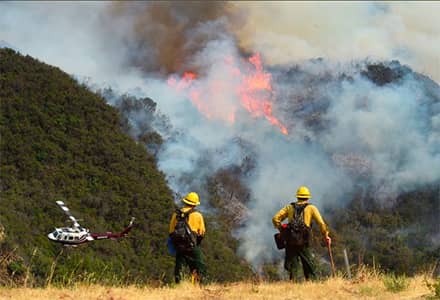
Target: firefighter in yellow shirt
{"x": 299, "y": 215}
{"x": 187, "y": 242}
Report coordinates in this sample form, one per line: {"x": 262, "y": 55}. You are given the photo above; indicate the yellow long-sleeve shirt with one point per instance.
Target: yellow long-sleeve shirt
{"x": 195, "y": 221}
{"x": 310, "y": 212}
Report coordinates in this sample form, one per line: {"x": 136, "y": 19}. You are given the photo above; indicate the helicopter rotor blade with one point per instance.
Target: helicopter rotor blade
{"x": 67, "y": 212}
{"x": 75, "y": 222}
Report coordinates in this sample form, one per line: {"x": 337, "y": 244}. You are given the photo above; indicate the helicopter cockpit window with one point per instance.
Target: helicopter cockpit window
{"x": 55, "y": 234}
{"x": 70, "y": 238}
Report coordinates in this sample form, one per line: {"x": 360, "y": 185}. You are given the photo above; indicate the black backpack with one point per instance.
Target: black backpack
{"x": 184, "y": 239}
{"x": 297, "y": 233}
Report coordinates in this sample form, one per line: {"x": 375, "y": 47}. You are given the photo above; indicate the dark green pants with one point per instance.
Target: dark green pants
{"x": 193, "y": 259}
{"x": 294, "y": 256}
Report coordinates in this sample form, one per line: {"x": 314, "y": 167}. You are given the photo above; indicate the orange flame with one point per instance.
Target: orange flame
{"x": 255, "y": 93}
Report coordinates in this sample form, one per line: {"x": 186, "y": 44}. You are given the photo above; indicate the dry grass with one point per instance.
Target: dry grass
{"x": 334, "y": 288}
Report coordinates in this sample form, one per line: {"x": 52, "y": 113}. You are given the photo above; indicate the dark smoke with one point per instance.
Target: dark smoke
{"x": 166, "y": 34}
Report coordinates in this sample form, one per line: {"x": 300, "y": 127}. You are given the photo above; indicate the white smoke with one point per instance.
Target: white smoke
{"x": 392, "y": 128}
{"x": 290, "y": 31}
{"x": 391, "y": 131}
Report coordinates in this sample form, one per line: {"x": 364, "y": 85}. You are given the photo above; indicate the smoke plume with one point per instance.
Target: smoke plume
{"x": 165, "y": 35}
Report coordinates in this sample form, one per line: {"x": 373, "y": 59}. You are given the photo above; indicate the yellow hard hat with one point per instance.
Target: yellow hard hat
{"x": 303, "y": 192}
{"x": 191, "y": 199}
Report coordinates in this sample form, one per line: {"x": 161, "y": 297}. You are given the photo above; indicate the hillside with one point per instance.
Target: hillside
{"x": 59, "y": 141}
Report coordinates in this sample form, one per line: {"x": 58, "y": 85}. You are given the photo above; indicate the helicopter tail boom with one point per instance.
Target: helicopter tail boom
{"x": 114, "y": 235}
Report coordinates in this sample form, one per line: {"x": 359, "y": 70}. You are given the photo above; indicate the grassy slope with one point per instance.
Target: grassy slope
{"x": 336, "y": 288}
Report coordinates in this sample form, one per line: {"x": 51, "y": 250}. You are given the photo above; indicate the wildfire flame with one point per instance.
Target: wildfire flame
{"x": 254, "y": 91}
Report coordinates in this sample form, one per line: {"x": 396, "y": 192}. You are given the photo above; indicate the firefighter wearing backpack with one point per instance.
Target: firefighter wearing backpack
{"x": 296, "y": 234}
{"x": 187, "y": 229}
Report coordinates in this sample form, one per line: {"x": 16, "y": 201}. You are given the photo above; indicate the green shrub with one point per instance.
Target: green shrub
{"x": 394, "y": 283}
{"x": 16, "y": 268}
{"x": 434, "y": 287}
{"x": 368, "y": 291}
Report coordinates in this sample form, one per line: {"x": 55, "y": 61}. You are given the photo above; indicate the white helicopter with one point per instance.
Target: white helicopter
{"x": 76, "y": 235}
